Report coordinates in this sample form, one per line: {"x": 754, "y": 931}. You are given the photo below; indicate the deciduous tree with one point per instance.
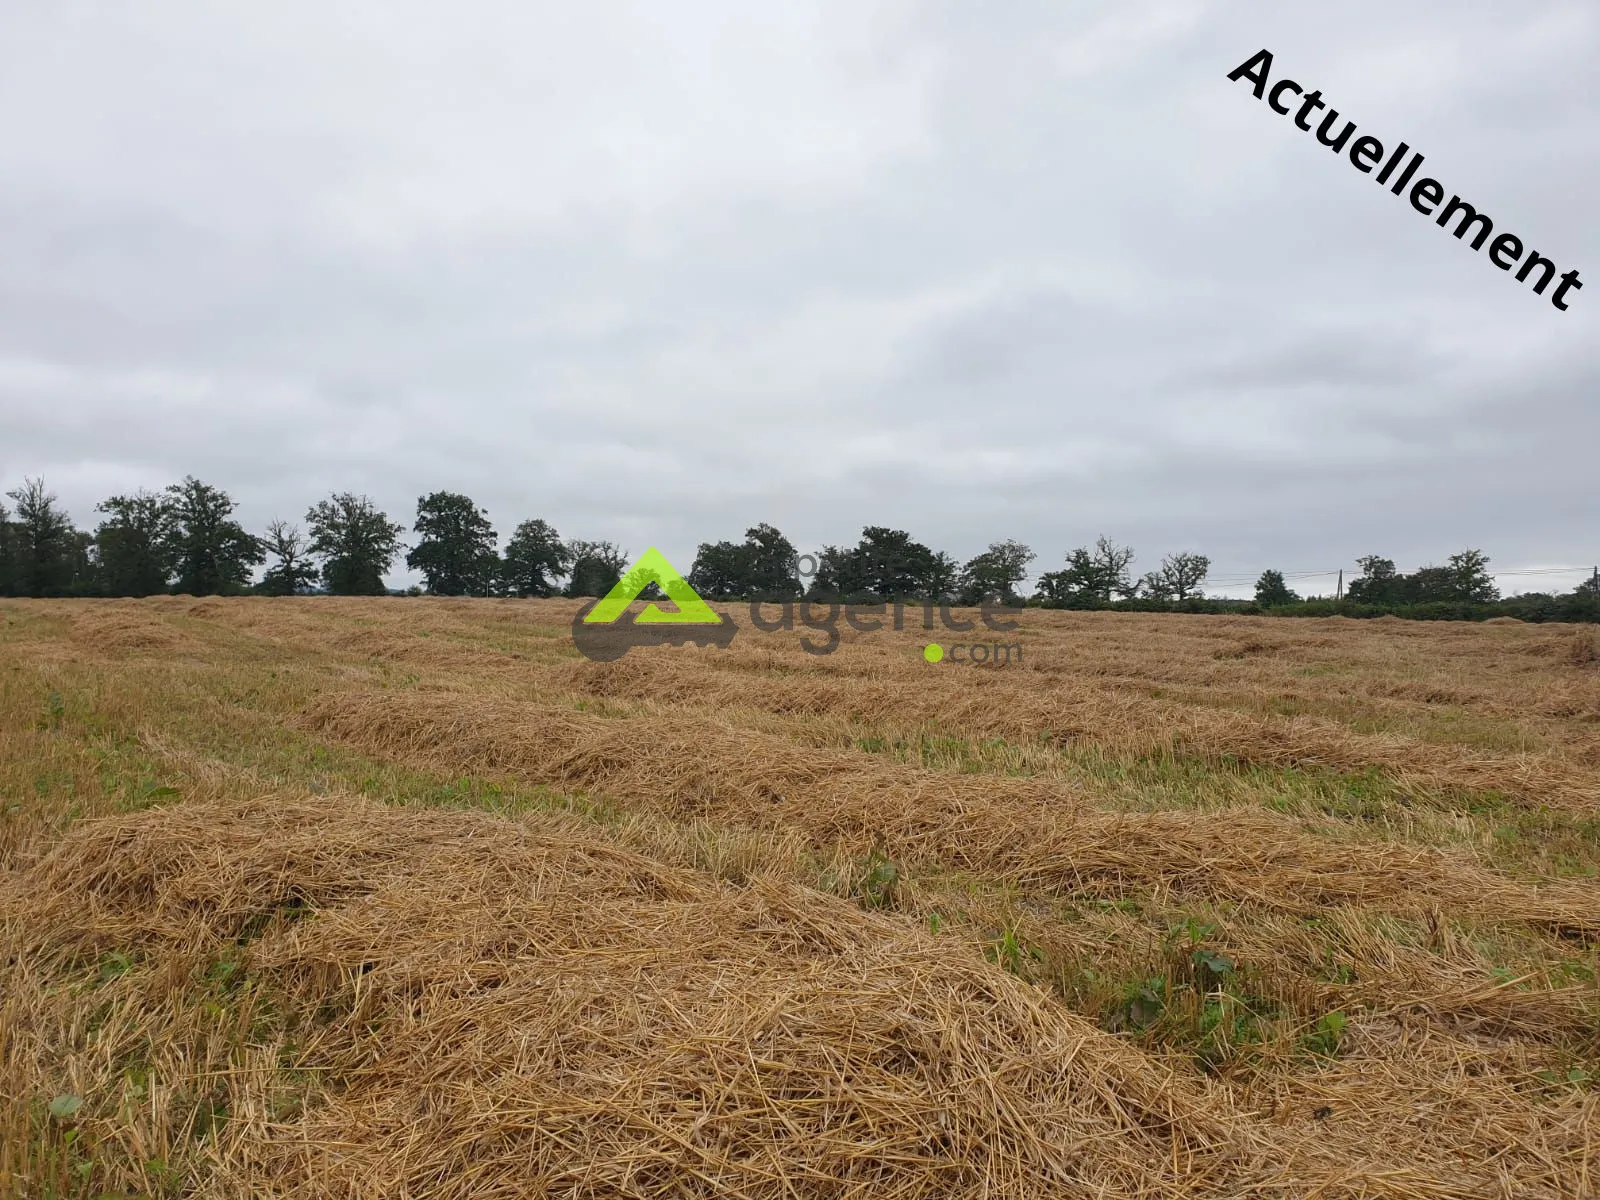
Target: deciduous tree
{"x": 886, "y": 564}
{"x": 1464, "y": 578}
{"x": 762, "y": 567}
{"x": 134, "y": 545}
{"x": 769, "y": 564}
{"x": 1470, "y": 578}
{"x": 1091, "y": 576}
{"x": 1178, "y": 578}
{"x": 292, "y": 572}
{"x": 356, "y": 542}
{"x": 456, "y": 551}
{"x": 720, "y": 571}
{"x": 7, "y": 554}
{"x": 535, "y": 558}
{"x": 1377, "y": 583}
{"x": 596, "y": 567}
{"x": 1272, "y": 591}
{"x": 996, "y": 572}
{"x": 211, "y": 553}
{"x": 44, "y": 551}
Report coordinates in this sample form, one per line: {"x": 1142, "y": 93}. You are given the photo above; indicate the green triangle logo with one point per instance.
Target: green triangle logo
{"x": 653, "y": 567}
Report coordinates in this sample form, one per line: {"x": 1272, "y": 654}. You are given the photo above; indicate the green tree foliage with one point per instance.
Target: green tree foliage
{"x": 720, "y": 571}
{"x": 1178, "y": 578}
{"x": 292, "y": 571}
{"x": 835, "y": 575}
{"x": 1272, "y": 591}
{"x": 596, "y": 567}
{"x": 7, "y": 554}
{"x": 456, "y": 553}
{"x": 995, "y": 572}
{"x": 1091, "y": 577}
{"x": 1470, "y": 578}
{"x": 1464, "y": 578}
{"x": 211, "y": 553}
{"x": 535, "y": 558}
{"x": 45, "y": 553}
{"x": 770, "y": 560}
{"x": 1589, "y": 588}
{"x": 762, "y": 567}
{"x": 134, "y": 545}
{"x": 943, "y": 578}
{"x": 886, "y": 564}
{"x": 356, "y": 542}
{"x": 82, "y": 569}
{"x": 1377, "y": 582}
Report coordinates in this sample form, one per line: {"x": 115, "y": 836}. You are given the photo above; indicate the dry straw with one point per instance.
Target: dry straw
{"x": 293, "y": 995}
{"x": 702, "y": 768}
{"x": 514, "y": 1010}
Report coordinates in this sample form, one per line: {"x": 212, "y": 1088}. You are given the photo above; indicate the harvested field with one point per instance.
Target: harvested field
{"x": 350, "y": 898}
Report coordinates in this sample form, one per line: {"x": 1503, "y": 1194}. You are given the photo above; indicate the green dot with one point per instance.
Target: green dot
{"x": 933, "y": 652}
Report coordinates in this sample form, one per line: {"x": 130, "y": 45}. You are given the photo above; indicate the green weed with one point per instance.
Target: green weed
{"x": 1325, "y": 1038}
{"x": 1013, "y": 954}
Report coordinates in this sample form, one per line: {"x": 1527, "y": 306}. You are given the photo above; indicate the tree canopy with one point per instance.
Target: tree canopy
{"x": 596, "y": 567}
{"x": 456, "y": 551}
{"x": 8, "y": 586}
{"x": 355, "y": 541}
{"x": 136, "y": 544}
{"x": 1177, "y": 579}
{"x": 292, "y": 570}
{"x": 535, "y": 558}
{"x": 1272, "y": 591}
{"x": 995, "y": 572}
{"x": 43, "y": 550}
{"x": 210, "y": 552}
{"x": 1090, "y": 577}
{"x": 762, "y": 567}
{"x": 1464, "y": 577}
{"x": 184, "y": 538}
{"x": 885, "y": 564}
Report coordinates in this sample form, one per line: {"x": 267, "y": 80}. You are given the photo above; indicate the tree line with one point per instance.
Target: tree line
{"x": 183, "y": 539}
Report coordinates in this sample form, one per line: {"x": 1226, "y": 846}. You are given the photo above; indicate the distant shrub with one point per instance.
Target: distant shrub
{"x": 1530, "y": 609}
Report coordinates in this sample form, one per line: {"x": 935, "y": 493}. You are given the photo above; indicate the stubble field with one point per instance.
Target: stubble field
{"x": 402, "y": 897}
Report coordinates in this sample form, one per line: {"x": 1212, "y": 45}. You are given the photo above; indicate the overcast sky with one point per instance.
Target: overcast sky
{"x": 657, "y": 272}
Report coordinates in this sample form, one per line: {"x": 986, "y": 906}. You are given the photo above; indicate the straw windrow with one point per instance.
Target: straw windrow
{"x": 1181, "y": 907}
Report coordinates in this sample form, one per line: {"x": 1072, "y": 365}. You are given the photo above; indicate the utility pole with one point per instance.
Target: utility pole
{"x": 1338, "y": 592}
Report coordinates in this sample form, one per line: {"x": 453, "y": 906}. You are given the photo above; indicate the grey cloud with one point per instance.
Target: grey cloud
{"x": 1038, "y": 271}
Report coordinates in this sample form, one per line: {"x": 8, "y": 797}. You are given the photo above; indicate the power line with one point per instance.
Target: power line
{"x": 1252, "y": 577}
{"x": 1546, "y": 571}
{"x": 1255, "y": 576}
{"x": 1234, "y": 580}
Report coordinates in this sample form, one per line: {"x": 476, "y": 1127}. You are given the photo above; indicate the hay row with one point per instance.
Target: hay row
{"x": 692, "y": 767}
{"x": 506, "y": 1009}
{"x": 1088, "y": 676}
{"x": 1014, "y": 706}
{"x": 520, "y": 1011}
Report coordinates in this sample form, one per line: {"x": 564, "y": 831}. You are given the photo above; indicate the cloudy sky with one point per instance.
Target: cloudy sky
{"x": 656, "y": 272}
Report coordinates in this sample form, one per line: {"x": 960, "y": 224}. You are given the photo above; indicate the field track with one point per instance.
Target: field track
{"x": 402, "y": 897}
